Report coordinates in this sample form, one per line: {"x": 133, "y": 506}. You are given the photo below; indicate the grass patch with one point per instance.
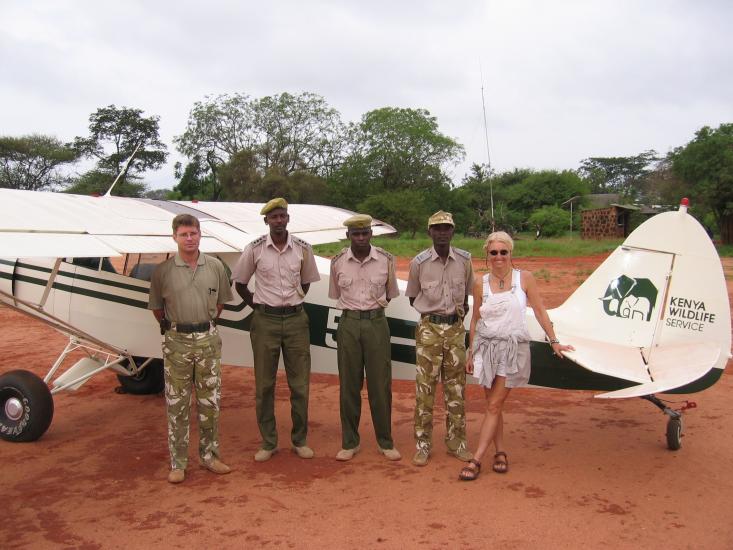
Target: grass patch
{"x": 524, "y": 245}
{"x": 725, "y": 250}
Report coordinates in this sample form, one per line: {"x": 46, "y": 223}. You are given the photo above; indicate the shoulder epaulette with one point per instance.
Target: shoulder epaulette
{"x": 465, "y": 253}
{"x": 423, "y": 256}
{"x": 337, "y": 256}
{"x": 259, "y": 240}
{"x": 383, "y": 252}
{"x": 301, "y": 242}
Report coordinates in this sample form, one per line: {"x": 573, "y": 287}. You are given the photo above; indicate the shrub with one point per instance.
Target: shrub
{"x": 552, "y": 220}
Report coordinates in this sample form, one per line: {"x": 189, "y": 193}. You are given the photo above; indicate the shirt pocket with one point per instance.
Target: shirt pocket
{"x": 345, "y": 282}
{"x": 458, "y": 287}
{"x": 265, "y": 266}
{"x": 431, "y": 289}
{"x": 378, "y": 289}
{"x": 292, "y": 275}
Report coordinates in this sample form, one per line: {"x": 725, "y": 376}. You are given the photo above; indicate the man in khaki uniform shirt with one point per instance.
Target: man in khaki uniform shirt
{"x": 284, "y": 267}
{"x": 438, "y": 285}
{"x": 363, "y": 281}
{"x": 187, "y": 294}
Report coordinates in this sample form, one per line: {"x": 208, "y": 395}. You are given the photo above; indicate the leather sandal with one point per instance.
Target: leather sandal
{"x": 468, "y": 473}
{"x": 501, "y": 466}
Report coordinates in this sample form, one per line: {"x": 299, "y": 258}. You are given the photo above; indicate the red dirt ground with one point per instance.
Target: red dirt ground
{"x": 583, "y": 472}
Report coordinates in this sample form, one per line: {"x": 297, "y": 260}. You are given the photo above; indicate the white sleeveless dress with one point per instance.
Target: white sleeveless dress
{"x": 501, "y": 339}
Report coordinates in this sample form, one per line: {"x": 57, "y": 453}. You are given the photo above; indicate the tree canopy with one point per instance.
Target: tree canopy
{"x": 115, "y": 133}
{"x": 623, "y": 175}
{"x": 32, "y": 162}
{"x": 394, "y": 149}
{"x": 283, "y": 132}
{"x": 96, "y": 182}
{"x": 705, "y": 164}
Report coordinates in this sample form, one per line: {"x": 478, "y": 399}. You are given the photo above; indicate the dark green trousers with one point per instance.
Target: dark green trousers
{"x": 270, "y": 334}
{"x": 363, "y": 346}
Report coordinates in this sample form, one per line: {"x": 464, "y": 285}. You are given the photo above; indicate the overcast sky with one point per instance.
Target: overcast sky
{"x": 563, "y": 80}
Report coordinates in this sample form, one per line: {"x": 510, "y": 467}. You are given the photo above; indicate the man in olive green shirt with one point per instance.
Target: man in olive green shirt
{"x": 187, "y": 294}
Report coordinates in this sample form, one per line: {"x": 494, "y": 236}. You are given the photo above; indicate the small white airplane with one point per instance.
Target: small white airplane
{"x": 654, "y": 317}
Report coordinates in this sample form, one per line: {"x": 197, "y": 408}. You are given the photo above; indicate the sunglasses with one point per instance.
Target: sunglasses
{"x": 495, "y": 252}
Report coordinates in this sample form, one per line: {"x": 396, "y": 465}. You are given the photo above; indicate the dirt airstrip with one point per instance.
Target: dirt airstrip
{"x": 583, "y": 472}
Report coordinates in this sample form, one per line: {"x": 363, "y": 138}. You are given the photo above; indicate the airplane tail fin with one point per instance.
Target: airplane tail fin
{"x": 658, "y": 303}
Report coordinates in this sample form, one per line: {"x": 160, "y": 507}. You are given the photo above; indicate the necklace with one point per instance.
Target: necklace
{"x": 501, "y": 279}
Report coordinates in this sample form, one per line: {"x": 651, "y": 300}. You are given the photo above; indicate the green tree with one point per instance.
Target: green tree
{"x": 240, "y": 178}
{"x": 623, "y": 175}
{"x": 243, "y": 180}
{"x": 404, "y": 209}
{"x": 161, "y": 194}
{"x": 285, "y": 132}
{"x": 706, "y": 165}
{"x": 32, "y": 162}
{"x": 195, "y": 182}
{"x": 550, "y": 220}
{"x": 394, "y": 149}
{"x": 115, "y": 134}
{"x": 664, "y": 187}
{"x": 299, "y": 133}
{"x": 96, "y": 182}
{"x": 544, "y": 188}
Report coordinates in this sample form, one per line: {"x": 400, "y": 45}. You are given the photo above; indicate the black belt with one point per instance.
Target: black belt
{"x": 284, "y": 310}
{"x": 441, "y": 319}
{"x": 188, "y": 328}
{"x": 368, "y": 314}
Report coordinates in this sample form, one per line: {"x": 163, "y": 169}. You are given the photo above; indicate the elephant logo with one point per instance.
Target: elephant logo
{"x": 630, "y": 298}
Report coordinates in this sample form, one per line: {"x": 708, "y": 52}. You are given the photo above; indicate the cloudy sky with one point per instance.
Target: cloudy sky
{"x": 563, "y": 80}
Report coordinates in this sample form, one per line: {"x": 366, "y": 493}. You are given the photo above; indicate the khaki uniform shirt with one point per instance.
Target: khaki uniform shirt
{"x": 279, "y": 274}
{"x": 189, "y": 295}
{"x": 437, "y": 287}
{"x": 364, "y": 285}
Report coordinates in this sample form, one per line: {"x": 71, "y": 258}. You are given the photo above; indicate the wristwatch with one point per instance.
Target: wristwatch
{"x": 554, "y": 341}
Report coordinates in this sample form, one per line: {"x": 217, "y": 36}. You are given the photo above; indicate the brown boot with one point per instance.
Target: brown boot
{"x": 176, "y": 475}
{"x": 215, "y": 465}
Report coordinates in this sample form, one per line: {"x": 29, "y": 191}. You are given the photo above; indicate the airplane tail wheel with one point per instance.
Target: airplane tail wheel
{"x": 674, "y": 433}
{"x": 26, "y": 406}
{"x": 147, "y": 381}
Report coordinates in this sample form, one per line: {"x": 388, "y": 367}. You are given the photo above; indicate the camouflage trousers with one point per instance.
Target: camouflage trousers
{"x": 192, "y": 361}
{"x": 441, "y": 352}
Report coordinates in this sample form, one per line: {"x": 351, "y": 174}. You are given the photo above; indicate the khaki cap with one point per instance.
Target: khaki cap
{"x": 359, "y": 221}
{"x": 441, "y": 217}
{"x": 279, "y": 202}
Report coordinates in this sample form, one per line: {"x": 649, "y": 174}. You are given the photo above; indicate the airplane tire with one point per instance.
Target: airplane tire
{"x": 26, "y": 406}
{"x": 674, "y": 434}
{"x": 147, "y": 381}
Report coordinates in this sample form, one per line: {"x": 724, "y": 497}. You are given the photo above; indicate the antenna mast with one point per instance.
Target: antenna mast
{"x": 123, "y": 171}
{"x": 488, "y": 154}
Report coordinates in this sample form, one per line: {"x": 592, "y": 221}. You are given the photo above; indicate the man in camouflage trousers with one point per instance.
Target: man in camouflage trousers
{"x": 187, "y": 294}
{"x": 438, "y": 285}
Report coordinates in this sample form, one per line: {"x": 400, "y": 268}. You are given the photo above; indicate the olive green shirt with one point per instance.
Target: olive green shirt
{"x": 187, "y": 295}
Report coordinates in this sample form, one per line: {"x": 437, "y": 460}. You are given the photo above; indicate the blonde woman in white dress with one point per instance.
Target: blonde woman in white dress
{"x": 499, "y": 343}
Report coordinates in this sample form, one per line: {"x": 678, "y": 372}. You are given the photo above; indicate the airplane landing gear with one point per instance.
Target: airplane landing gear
{"x": 26, "y": 406}
{"x": 674, "y": 424}
{"x": 674, "y": 433}
{"x": 148, "y": 380}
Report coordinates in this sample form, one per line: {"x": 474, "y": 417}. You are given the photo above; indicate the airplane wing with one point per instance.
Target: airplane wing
{"x": 607, "y": 358}
{"x": 42, "y": 224}
{"x": 672, "y": 367}
{"x": 313, "y": 223}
